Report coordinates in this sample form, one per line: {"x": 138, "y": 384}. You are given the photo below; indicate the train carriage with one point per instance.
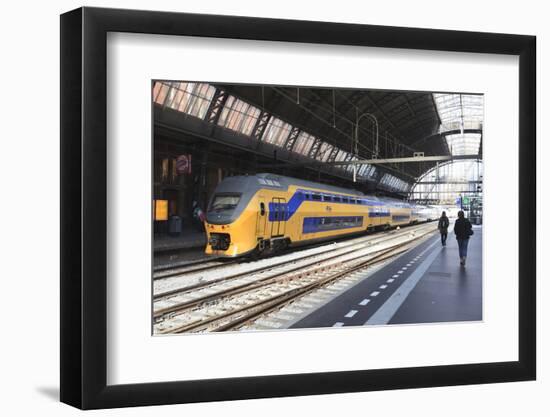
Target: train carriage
{"x": 264, "y": 212}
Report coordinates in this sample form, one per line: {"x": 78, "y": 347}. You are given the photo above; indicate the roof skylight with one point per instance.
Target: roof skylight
{"x": 460, "y": 113}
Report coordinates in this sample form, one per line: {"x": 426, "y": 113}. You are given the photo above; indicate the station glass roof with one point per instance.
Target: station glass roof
{"x": 463, "y": 143}
{"x": 190, "y": 98}
{"x": 394, "y": 183}
{"x": 276, "y": 131}
{"x": 448, "y": 181}
{"x": 304, "y": 143}
{"x": 239, "y": 116}
{"x": 461, "y": 112}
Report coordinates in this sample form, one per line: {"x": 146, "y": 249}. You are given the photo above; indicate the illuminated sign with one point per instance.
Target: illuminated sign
{"x": 161, "y": 210}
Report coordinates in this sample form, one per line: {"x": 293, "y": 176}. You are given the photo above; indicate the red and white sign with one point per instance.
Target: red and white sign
{"x": 183, "y": 164}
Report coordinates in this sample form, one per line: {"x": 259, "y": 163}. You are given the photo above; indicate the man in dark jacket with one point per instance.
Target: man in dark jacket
{"x": 463, "y": 231}
{"x": 443, "y": 225}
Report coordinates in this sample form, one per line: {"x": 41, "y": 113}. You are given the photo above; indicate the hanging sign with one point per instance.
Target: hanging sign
{"x": 183, "y": 164}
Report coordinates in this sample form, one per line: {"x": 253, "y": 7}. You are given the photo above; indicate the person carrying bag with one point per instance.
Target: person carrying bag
{"x": 443, "y": 225}
{"x": 463, "y": 230}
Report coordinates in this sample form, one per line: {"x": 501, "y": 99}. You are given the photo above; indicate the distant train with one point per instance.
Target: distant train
{"x": 266, "y": 213}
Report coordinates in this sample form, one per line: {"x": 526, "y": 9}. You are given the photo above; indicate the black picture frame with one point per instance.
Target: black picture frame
{"x": 84, "y": 207}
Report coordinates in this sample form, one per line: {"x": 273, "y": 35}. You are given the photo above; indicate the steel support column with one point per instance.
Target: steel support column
{"x": 291, "y": 139}
{"x": 261, "y": 125}
{"x": 216, "y": 106}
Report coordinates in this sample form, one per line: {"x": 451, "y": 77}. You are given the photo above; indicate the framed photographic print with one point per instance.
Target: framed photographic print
{"x": 256, "y": 208}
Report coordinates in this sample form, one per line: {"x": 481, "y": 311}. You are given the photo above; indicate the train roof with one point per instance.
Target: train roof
{"x": 250, "y": 184}
{"x": 285, "y": 182}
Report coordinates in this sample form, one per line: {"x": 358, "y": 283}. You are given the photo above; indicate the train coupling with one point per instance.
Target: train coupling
{"x": 219, "y": 241}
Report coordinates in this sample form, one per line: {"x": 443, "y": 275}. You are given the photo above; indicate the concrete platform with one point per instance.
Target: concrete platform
{"x": 189, "y": 239}
{"x": 425, "y": 285}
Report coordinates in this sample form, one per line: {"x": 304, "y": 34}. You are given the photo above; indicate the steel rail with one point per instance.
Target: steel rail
{"x": 205, "y": 265}
{"x": 170, "y": 270}
{"x": 279, "y": 299}
{"x": 371, "y": 240}
{"x": 278, "y": 278}
{"x": 302, "y": 292}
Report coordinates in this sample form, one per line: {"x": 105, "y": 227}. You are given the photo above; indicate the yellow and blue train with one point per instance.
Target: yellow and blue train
{"x": 266, "y": 213}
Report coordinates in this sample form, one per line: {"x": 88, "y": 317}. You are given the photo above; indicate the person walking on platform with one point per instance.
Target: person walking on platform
{"x": 443, "y": 225}
{"x": 463, "y": 231}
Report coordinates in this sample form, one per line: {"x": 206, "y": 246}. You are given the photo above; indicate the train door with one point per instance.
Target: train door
{"x": 282, "y": 216}
{"x": 278, "y": 216}
{"x": 262, "y": 218}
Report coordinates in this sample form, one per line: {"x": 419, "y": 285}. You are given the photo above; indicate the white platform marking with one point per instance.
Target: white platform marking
{"x": 390, "y": 280}
{"x": 338, "y": 324}
{"x": 395, "y": 276}
{"x": 383, "y": 287}
{"x": 384, "y": 314}
{"x": 351, "y": 313}
{"x": 364, "y": 302}
{"x": 374, "y": 293}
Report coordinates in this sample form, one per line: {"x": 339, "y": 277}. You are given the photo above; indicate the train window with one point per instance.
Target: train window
{"x": 337, "y": 199}
{"x": 316, "y": 197}
{"x": 225, "y": 202}
{"x": 353, "y": 201}
{"x": 327, "y": 198}
{"x": 345, "y": 200}
{"x": 262, "y": 209}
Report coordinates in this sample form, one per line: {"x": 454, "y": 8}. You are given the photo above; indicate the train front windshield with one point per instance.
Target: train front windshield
{"x": 225, "y": 202}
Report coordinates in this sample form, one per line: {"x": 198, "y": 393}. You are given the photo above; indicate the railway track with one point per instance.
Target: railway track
{"x": 231, "y": 301}
{"x": 207, "y": 264}
{"x": 186, "y": 282}
{"x": 265, "y": 308}
{"x": 189, "y": 267}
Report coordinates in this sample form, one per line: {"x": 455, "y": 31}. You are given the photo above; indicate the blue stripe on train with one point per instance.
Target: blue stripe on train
{"x": 378, "y": 213}
{"x": 398, "y": 218}
{"x": 323, "y": 224}
{"x": 284, "y": 211}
